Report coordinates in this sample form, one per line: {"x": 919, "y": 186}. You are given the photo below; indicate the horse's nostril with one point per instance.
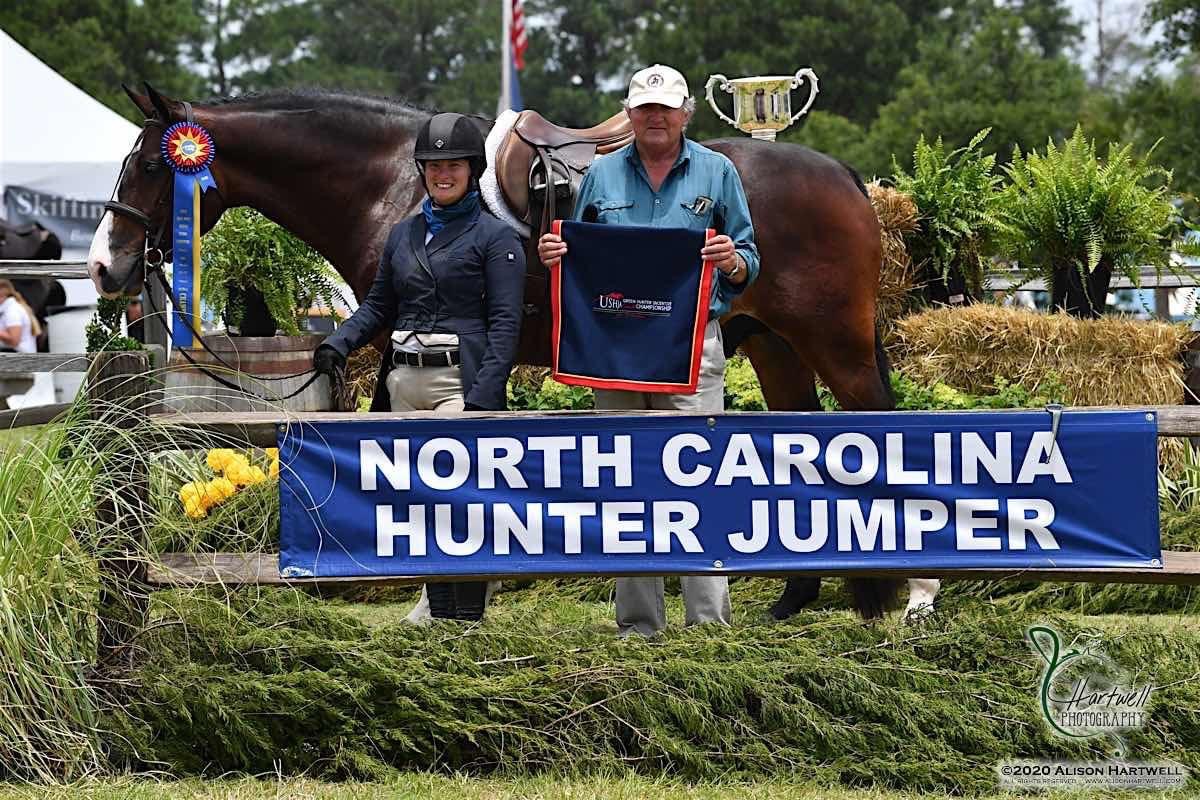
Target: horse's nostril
{"x": 101, "y": 270}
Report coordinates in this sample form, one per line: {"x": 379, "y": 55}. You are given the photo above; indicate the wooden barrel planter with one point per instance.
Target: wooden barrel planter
{"x": 258, "y": 364}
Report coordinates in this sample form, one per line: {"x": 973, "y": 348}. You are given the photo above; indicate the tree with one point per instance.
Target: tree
{"x": 992, "y": 77}
{"x": 1168, "y": 108}
{"x": 580, "y": 58}
{"x": 98, "y": 44}
{"x": 856, "y": 47}
{"x": 1180, "y": 20}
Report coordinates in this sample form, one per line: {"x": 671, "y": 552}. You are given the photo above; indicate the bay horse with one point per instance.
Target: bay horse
{"x": 336, "y": 170}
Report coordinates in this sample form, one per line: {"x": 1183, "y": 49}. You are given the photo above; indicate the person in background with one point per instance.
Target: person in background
{"x": 665, "y": 180}
{"x": 449, "y": 291}
{"x": 19, "y": 329}
{"x": 134, "y": 323}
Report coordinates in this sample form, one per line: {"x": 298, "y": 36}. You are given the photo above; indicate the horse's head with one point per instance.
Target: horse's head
{"x": 137, "y": 228}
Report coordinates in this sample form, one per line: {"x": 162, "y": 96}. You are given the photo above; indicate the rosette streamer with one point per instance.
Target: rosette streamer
{"x": 189, "y": 150}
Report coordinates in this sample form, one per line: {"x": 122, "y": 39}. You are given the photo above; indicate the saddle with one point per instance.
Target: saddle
{"x": 540, "y": 165}
{"x": 29, "y": 240}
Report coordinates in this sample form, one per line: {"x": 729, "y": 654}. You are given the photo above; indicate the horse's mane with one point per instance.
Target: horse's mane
{"x": 289, "y": 100}
{"x": 352, "y": 111}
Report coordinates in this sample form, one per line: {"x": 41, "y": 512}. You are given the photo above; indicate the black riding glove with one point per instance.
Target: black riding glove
{"x": 328, "y": 361}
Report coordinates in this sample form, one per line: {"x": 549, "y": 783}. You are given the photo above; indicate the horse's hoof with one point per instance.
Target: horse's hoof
{"x": 918, "y": 613}
{"x": 797, "y": 593}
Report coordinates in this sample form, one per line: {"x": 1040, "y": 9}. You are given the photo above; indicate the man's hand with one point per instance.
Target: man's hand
{"x": 551, "y": 249}
{"x": 327, "y": 361}
{"x": 719, "y": 251}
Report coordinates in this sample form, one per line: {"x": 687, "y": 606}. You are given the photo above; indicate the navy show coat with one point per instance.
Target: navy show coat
{"x": 469, "y": 280}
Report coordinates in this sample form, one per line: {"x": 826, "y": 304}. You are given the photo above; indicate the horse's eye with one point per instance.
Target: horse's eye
{"x": 151, "y": 167}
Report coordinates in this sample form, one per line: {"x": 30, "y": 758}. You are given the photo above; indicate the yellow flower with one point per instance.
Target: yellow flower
{"x": 215, "y": 491}
{"x": 189, "y": 491}
{"x": 242, "y": 474}
{"x": 274, "y": 469}
{"x": 194, "y": 509}
{"x": 273, "y": 453}
{"x": 219, "y": 458}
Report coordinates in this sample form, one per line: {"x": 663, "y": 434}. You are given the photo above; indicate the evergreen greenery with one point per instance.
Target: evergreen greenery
{"x": 103, "y": 331}
{"x": 282, "y": 682}
{"x": 246, "y": 249}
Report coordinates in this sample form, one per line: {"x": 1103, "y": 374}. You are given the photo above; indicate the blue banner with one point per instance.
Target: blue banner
{"x": 732, "y": 493}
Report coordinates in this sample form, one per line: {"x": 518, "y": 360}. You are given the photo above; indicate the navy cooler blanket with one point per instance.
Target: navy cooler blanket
{"x": 630, "y": 305}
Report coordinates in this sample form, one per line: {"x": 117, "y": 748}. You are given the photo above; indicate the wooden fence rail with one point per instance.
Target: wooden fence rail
{"x": 56, "y": 270}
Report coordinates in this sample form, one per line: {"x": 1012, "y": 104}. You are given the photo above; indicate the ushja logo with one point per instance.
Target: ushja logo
{"x": 612, "y": 301}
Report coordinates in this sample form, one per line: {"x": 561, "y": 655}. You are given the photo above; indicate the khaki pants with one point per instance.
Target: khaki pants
{"x": 640, "y": 605}
{"x": 428, "y": 389}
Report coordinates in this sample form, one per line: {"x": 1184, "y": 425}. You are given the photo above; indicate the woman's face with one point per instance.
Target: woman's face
{"x": 447, "y": 181}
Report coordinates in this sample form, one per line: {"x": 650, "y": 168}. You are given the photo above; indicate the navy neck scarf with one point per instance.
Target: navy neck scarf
{"x": 437, "y": 217}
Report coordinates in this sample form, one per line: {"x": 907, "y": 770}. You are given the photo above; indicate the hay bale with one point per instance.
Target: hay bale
{"x": 362, "y": 369}
{"x": 1109, "y": 361}
{"x": 897, "y": 215}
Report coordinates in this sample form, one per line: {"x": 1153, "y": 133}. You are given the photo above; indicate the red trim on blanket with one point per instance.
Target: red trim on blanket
{"x": 659, "y": 387}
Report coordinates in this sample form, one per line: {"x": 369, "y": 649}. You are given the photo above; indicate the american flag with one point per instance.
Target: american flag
{"x": 517, "y": 32}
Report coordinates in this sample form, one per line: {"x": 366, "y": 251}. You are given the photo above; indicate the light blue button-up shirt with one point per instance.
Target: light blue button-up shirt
{"x": 701, "y": 191}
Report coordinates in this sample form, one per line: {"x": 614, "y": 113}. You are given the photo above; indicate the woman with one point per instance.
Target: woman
{"x": 449, "y": 289}
{"x": 19, "y": 329}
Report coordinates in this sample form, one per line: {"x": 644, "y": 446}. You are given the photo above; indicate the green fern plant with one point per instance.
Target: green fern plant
{"x": 1070, "y": 210}
{"x": 246, "y": 249}
{"x": 956, "y": 194}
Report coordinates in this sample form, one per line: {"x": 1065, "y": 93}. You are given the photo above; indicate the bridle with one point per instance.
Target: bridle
{"x": 156, "y": 248}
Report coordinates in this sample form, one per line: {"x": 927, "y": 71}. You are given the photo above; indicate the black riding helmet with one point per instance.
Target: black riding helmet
{"x": 449, "y": 135}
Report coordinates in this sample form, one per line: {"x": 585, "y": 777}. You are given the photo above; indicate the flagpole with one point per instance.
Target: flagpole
{"x": 505, "y": 56}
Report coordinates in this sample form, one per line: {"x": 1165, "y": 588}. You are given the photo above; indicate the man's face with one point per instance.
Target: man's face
{"x": 656, "y": 125}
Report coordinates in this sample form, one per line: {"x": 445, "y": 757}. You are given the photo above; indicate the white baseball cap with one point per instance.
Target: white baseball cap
{"x": 658, "y": 84}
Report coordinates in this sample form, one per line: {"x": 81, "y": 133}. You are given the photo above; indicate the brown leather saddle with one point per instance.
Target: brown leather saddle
{"x": 28, "y": 241}
{"x": 540, "y": 165}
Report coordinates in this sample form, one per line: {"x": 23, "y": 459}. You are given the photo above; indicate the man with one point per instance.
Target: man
{"x": 664, "y": 180}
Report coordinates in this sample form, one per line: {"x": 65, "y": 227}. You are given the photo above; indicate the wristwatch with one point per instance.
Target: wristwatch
{"x": 737, "y": 266}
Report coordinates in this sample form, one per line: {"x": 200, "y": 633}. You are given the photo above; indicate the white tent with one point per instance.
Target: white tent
{"x": 55, "y": 139}
{"x": 60, "y": 154}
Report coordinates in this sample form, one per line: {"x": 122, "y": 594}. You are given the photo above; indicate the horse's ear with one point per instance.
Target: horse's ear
{"x": 140, "y": 100}
{"x": 161, "y": 104}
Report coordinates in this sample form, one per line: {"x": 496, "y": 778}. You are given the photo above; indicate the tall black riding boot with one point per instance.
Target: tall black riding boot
{"x": 797, "y": 593}
{"x": 470, "y": 599}
{"x": 441, "y": 600}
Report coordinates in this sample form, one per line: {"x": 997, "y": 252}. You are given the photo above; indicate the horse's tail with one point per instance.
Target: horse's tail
{"x": 885, "y": 370}
{"x": 873, "y": 597}
{"x": 858, "y": 181}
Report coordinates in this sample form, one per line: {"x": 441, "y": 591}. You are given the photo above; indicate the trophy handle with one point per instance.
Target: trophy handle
{"x": 796, "y": 81}
{"x": 723, "y": 82}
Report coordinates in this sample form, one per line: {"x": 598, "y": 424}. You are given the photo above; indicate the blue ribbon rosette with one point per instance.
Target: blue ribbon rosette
{"x": 189, "y": 150}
